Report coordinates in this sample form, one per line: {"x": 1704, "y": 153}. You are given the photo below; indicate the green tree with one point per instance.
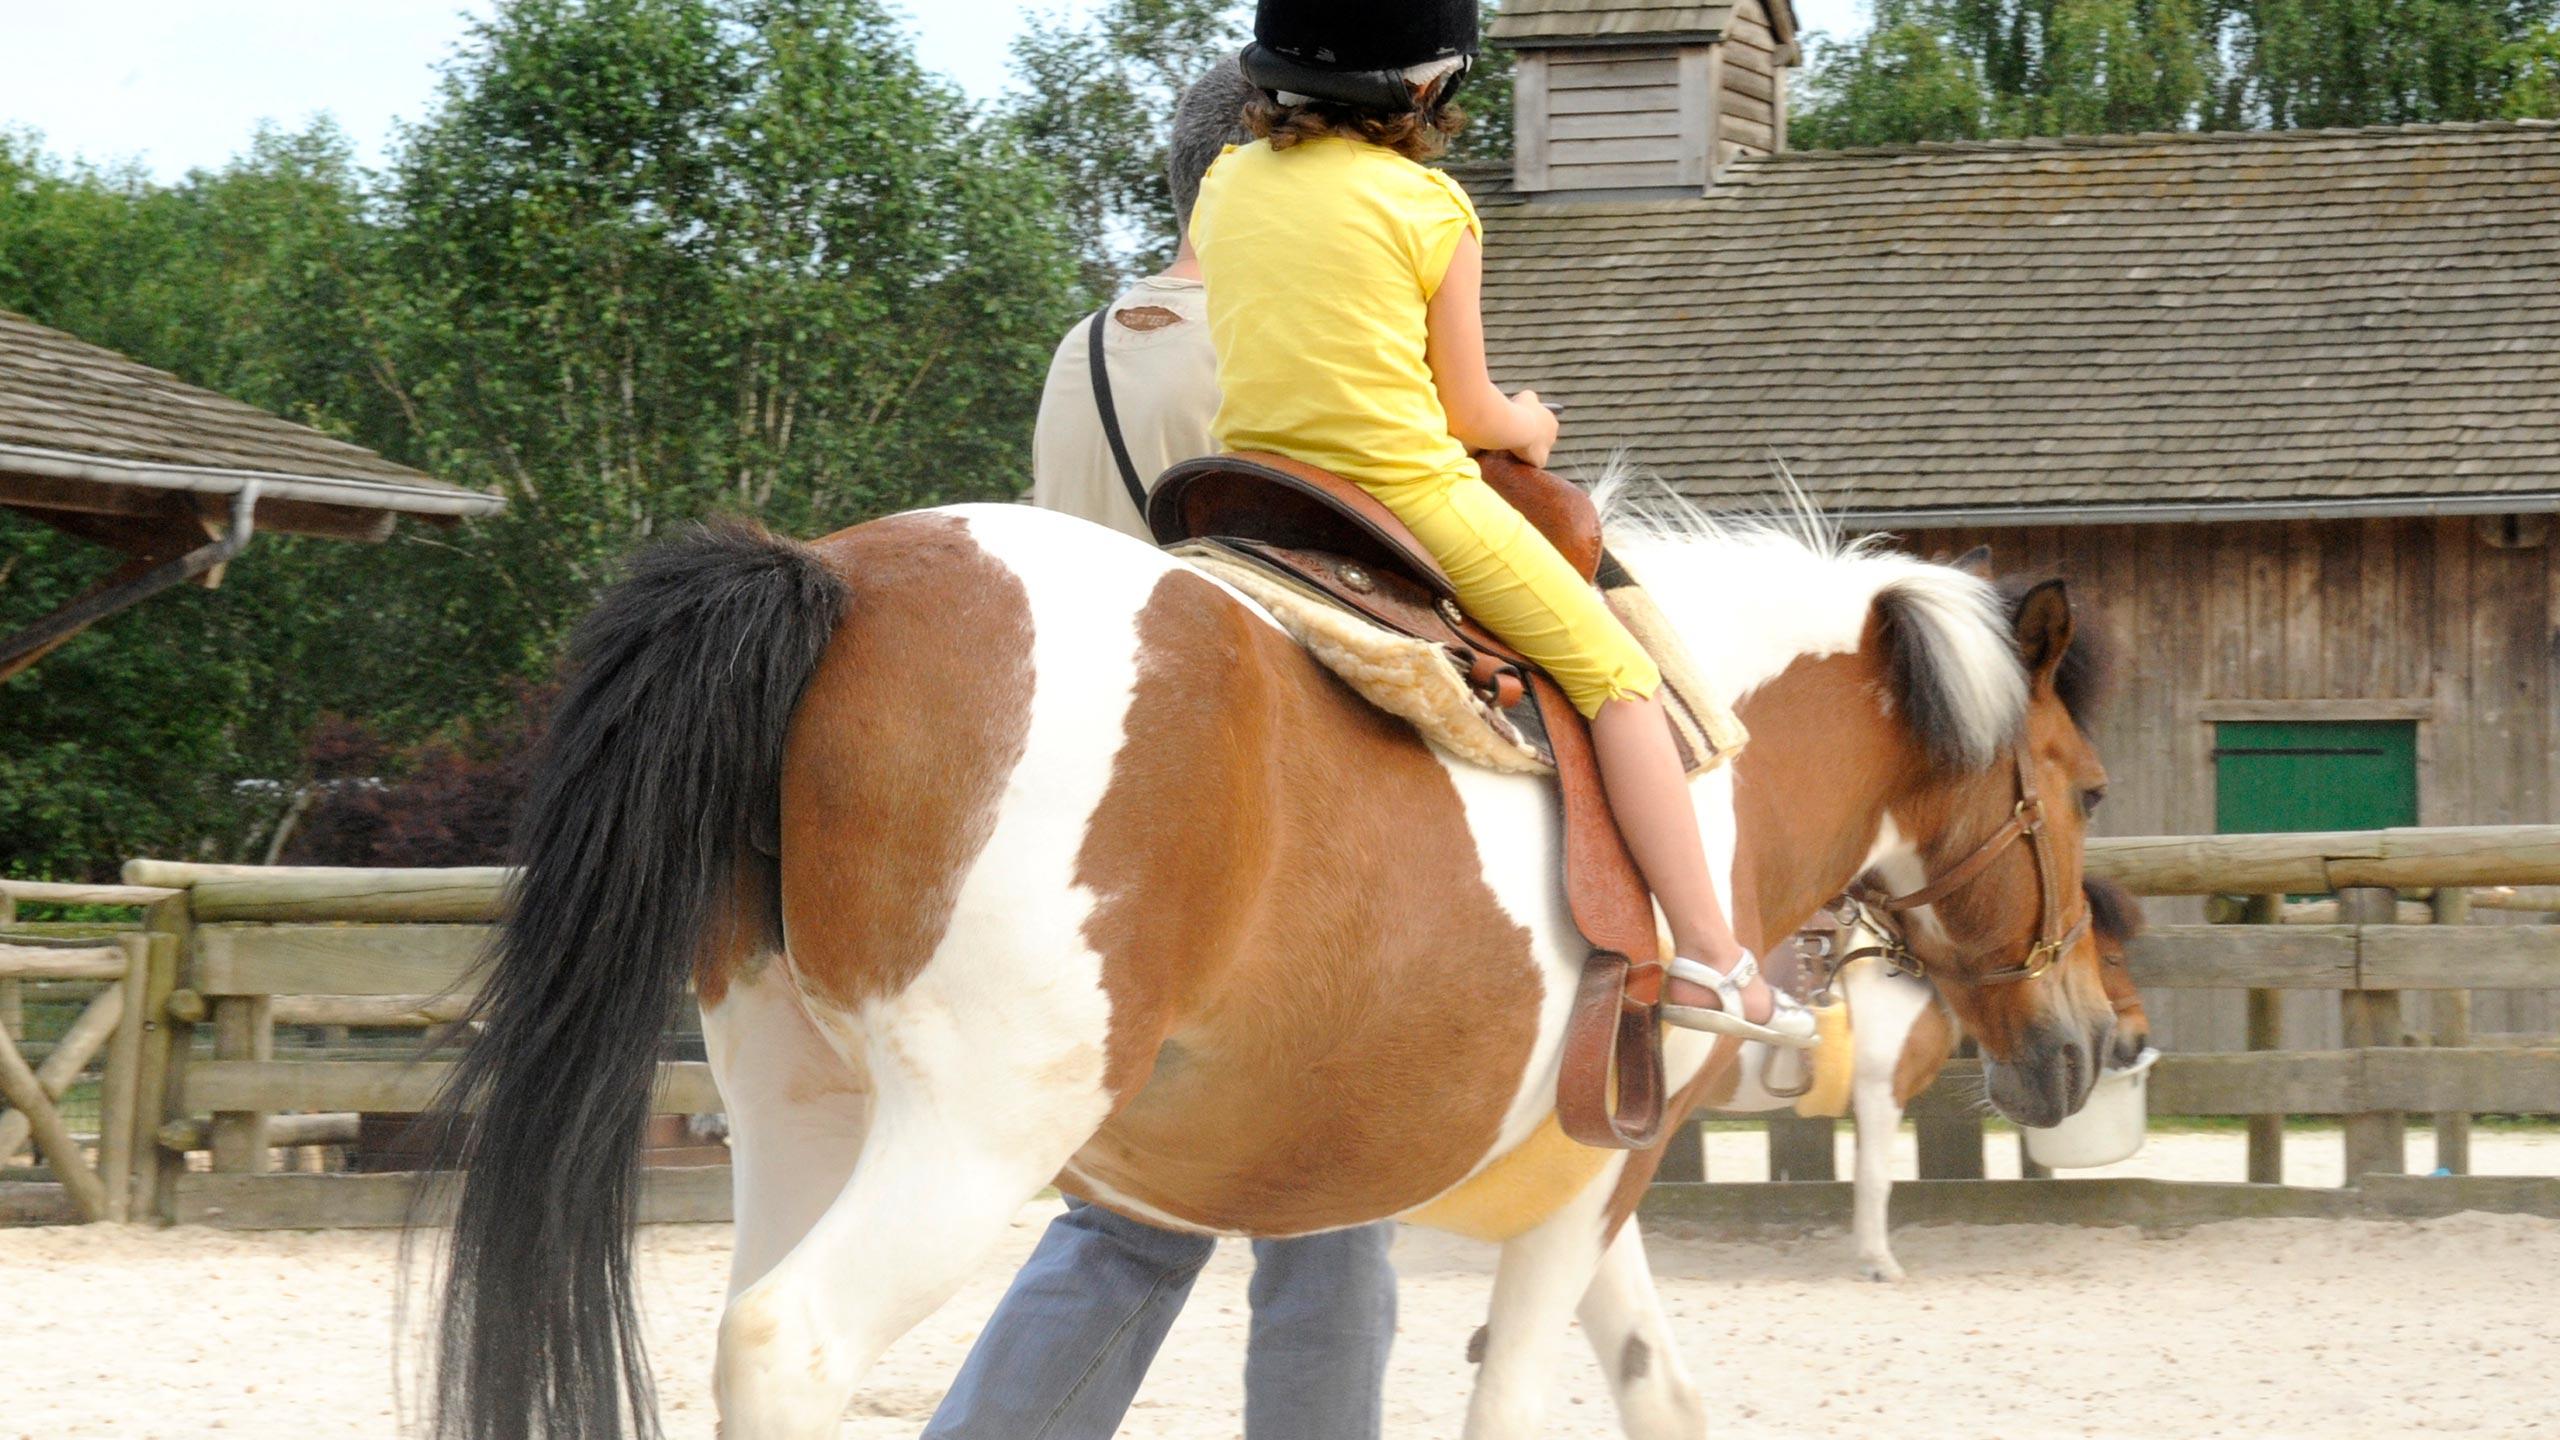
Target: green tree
{"x": 1095, "y": 97}
{"x": 1970, "y": 69}
{"x": 644, "y": 259}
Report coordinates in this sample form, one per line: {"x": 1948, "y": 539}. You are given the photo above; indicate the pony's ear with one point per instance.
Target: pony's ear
{"x": 1975, "y": 562}
{"x": 2042, "y": 619}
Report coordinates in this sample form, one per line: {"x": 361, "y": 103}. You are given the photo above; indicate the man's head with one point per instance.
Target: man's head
{"x": 1208, "y": 119}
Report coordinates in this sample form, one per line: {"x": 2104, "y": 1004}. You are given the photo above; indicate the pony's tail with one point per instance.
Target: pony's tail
{"x": 662, "y": 764}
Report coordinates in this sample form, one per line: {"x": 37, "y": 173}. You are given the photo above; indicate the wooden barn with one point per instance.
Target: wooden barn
{"x": 2285, "y": 406}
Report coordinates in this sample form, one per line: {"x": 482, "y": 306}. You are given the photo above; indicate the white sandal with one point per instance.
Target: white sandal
{"x": 1791, "y": 1024}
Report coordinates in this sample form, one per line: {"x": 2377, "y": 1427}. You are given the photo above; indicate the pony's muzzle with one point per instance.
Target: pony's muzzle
{"x": 2052, "y": 1073}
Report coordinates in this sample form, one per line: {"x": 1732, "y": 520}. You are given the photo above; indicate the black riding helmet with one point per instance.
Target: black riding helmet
{"x": 1356, "y": 52}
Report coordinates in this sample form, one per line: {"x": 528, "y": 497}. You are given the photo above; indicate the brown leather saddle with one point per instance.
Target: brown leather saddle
{"x": 1318, "y": 531}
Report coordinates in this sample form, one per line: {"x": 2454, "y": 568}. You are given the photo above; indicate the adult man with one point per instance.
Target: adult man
{"x": 1065, "y": 1351}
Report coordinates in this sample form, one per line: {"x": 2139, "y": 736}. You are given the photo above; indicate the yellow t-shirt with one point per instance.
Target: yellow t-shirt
{"x": 1321, "y": 262}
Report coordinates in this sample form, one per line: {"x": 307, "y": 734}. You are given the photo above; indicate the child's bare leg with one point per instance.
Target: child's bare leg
{"x": 1640, "y": 767}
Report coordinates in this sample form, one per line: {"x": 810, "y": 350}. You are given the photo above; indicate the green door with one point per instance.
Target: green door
{"x": 2315, "y": 775}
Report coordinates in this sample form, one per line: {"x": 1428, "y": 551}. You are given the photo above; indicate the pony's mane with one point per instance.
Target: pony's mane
{"x": 1786, "y": 569}
{"x": 2113, "y": 912}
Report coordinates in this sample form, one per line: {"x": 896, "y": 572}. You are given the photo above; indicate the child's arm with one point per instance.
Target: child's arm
{"x": 1479, "y": 415}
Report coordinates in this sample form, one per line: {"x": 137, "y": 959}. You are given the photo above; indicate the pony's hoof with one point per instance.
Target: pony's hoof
{"x": 1881, "y": 1271}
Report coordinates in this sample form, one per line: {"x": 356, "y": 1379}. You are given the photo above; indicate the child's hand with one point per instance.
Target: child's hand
{"x": 1538, "y": 428}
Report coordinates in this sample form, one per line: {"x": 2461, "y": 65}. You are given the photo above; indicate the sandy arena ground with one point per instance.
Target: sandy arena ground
{"x": 2258, "y": 1328}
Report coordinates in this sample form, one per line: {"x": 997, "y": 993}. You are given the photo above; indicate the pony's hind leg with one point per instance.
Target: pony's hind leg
{"x": 1622, "y": 1317}
{"x": 797, "y": 1114}
{"x": 1536, "y": 1285}
{"x": 962, "y": 1132}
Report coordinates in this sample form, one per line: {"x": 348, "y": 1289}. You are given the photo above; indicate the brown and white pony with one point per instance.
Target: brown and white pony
{"x": 1001, "y": 850}
{"x": 1902, "y": 1038}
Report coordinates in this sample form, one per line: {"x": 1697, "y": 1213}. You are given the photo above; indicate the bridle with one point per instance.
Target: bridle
{"x": 2026, "y": 822}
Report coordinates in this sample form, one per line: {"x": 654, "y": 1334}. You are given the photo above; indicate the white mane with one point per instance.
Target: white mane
{"x": 1753, "y": 593}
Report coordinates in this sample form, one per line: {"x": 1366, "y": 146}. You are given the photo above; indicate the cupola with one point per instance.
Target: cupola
{"x": 1644, "y": 96}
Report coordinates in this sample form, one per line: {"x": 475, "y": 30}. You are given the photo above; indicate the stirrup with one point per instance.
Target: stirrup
{"x": 1791, "y": 1024}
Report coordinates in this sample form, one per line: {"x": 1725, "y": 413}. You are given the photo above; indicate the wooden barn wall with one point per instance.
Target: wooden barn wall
{"x": 2412, "y": 618}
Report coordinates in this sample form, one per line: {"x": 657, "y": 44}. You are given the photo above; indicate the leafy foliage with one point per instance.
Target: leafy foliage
{"x": 645, "y": 259}
{"x": 1976, "y": 69}
{"x": 1096, "y": 97}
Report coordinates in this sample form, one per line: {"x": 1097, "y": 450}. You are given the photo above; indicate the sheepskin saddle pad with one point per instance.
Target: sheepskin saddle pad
{"x": 1442, "y": 686}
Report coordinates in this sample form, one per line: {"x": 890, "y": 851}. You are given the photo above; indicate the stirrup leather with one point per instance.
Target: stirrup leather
{"x": 1791, "y": 1024}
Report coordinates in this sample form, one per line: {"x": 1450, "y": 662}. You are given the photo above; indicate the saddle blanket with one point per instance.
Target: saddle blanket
{"x": 1424, "y": 685}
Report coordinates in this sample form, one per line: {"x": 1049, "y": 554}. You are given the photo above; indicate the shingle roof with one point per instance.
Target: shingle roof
{"x": 2153, "y": 321}
{"x": 69, "y": 406}
{"x": 1565, "y": 22}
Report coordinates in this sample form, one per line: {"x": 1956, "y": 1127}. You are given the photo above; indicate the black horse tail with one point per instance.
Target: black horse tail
{"x": 662, "y": 764}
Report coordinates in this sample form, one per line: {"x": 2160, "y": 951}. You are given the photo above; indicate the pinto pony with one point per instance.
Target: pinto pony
{"x": 1001, "y": 850}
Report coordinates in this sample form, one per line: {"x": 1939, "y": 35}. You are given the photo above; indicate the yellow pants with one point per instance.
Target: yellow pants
{"x": 1516, "y": 585}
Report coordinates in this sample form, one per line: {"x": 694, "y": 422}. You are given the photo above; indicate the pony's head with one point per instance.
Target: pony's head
{"x": 1992, "y": 829}
{"x": 2115, "y": 917}
{"x": 1915, "y": 722}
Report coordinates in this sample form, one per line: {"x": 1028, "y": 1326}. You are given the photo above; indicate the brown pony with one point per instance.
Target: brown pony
{"x": 1001, "y": 851}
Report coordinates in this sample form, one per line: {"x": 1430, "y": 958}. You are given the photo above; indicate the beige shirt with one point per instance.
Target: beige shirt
{"x": 1164, "y": 384}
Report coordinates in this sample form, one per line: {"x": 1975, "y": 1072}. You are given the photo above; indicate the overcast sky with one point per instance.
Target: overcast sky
{"x": 183, "y": 83}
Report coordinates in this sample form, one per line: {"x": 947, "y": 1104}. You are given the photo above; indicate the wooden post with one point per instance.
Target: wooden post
{"x": 2266, "y": 1032}
{"x": 2377, "y": 1141}
{"x": 1801, "y": 1149}
{"x": 13, "y": 1003}
{"x": 243, "y": 1029}
{"x": 160, "y": 1080}
{"x": 1684, "y": 1159}
{"x": 121, "y": 1136}
{"x": 2449, "y": 1023}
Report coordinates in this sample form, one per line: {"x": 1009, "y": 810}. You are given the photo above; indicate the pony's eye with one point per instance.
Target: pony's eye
{"x": 2091, "y": 799}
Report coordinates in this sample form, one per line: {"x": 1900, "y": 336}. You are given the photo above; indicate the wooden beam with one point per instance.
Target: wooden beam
{"x": 2151, "y": 1203}
{"x": 337, "y": 959}
{"x": 387, "y": 1086}
{"x": 47, "y": 962}
{"x": 672, "y": 1195}
{"x": 2331, "y": 860}
{"x": 469, "y": 894}
{"x": 2244, "y": 957}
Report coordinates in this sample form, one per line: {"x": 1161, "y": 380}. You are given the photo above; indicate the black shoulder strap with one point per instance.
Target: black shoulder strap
{"x": 1111, "y": 417}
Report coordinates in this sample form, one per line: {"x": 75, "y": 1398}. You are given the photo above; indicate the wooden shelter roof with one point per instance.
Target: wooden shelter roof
{"x": 84, "y": 430}
{"x": 2149, "y": 327}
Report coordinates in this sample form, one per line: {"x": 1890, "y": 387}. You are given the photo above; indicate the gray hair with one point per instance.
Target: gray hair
{"x": 1208, "y": 119}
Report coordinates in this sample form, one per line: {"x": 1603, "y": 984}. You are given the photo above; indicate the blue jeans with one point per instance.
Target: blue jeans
{"x": 1064, "y": 1353}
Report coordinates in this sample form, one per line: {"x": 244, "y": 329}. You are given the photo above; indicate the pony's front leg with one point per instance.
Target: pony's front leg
{"x": 1878, "y": 1117}
{"x": 1540, "y": 1278}
{"x": 1622, "y": 1317}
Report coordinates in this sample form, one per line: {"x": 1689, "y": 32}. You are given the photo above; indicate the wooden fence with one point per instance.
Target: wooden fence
{"x": 199, "y": 1101}
{"x": 2402, "y": 972}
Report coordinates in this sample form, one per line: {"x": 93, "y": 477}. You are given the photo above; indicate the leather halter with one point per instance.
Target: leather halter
{"x": 2026, "y": 822}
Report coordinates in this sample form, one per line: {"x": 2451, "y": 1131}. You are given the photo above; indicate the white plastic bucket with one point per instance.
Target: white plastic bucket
{"x": 2107, "y": 1129}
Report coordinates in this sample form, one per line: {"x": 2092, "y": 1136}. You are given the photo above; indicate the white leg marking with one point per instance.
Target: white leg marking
{"x": 1885, "y": 1006}
{"x": 1535, "y": 1287}
{"x": 1622, "y": 1317}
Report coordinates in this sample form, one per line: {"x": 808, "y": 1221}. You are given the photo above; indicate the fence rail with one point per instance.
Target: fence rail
{"x": 227, "y": 954}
